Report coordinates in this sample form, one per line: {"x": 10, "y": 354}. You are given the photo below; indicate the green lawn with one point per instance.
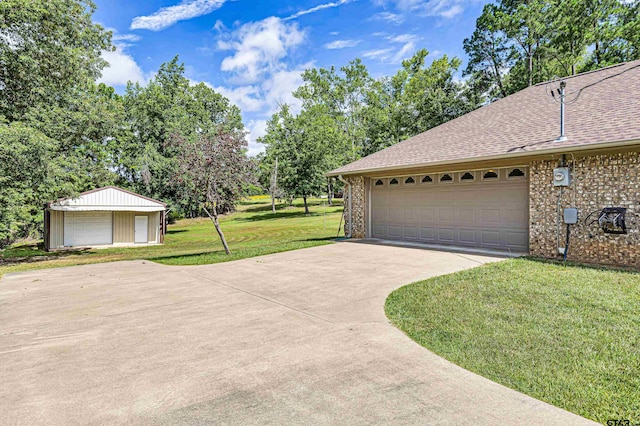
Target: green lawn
{"x": 252, "y": 231}
{"x": 569, "y": 336}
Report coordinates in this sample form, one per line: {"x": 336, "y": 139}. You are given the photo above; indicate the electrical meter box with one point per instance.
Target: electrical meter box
{"x": 570, "y": 216}
{"x": 561, "y": 176}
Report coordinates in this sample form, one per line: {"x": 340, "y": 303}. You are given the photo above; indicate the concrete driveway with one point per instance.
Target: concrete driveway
{"x": 298, "y": 337}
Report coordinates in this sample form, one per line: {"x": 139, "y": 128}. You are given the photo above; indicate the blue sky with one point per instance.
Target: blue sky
{"x": 254, "y": 51}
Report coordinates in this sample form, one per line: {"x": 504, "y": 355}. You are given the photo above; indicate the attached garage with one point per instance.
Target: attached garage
{"x": 522, "y": 174}
{"x": 107, "y": 216}
{"x": 476, "y": 208}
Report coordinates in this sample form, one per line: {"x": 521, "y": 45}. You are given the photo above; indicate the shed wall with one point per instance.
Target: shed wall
{"x": 124, "y": 226}
{"x": 56, "y": 230}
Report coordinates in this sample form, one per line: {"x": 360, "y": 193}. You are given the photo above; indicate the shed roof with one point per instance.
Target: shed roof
{"x": 108, "y": 198}
{"x": 525, "y": 123}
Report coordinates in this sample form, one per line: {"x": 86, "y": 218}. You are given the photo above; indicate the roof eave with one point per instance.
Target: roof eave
{"x": 541, "y": 152}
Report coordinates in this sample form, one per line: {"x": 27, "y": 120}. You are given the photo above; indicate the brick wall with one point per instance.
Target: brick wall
{"x": 598, "y": 181}
{"x": 358, "y": 207}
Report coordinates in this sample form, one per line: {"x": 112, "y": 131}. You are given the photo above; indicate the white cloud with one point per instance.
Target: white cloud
{"x": 125, "y": 37}
{"x": 259, "y": 47}
{"x": 378, "y": 53}
{"x": 256, "y": 129}
{"x": 341, "y": 44}
{"x": 167, "y": 16}
{"x": 442, "y": 8}
{"x": 393, "y": 54}
{"x": 456, "y": 9}
{"x": 247, "y": 98}
{"x": 316, "y": 9}
{"x": 408, "y": 50}
{"x": 280, "y": 87}
{"x": 394, "y": 18}
{"x": 121, "y": 69}
{"x": 402, "y": 38}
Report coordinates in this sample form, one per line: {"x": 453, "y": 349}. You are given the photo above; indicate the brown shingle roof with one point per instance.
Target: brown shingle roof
{"x": 607, "y": 110}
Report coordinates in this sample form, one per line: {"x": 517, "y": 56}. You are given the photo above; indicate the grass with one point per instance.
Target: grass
{"x": 251, "y": 231}
{"x": 569, "y": 336}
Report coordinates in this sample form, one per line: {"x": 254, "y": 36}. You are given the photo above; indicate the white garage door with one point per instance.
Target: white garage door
{"x": 87, "y": 228}
{"x": 484, "y": 209}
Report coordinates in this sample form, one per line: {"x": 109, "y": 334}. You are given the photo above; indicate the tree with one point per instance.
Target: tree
{"x": 301, "y": 145}
{"x": 213, "y": 171}
{"x": 90, "y": 131}
{"x": 519, "y": 43}
{"x": 341, "y": 96}
{"x": 30, "y": 174}
{"x": 169, "y": 105}
{"x": 417, "y": 98}
{"x": 47, "y": 48}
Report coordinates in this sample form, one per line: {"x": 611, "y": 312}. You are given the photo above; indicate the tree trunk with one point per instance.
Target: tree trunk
{"x": 530, "y": 67}
{"x": 330, "y": 192}
{"x": 306, "y": 207}
{"x": 274, "y": 186}
{"x": 214, "y": 219}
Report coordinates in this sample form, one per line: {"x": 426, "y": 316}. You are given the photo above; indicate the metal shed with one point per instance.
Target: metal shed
{"x": 108, "y": 216}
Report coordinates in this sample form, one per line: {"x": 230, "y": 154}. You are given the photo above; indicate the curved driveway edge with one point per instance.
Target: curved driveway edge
{"x": 297, "y": 337}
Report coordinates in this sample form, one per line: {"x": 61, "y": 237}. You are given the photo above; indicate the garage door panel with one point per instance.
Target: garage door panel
{"x": 480, "y": 214}
{"x": 467, "y": 236}
{"x": 467, "y": 216}
{"x": 394, "y": 231}
{"x": 490, "y": 216}
{"x": 447, "y": 197}
{"x": 428, "y": 234}
{"x": 446, "y": 215}
{"x": 517, "y": 239}
{"x": 379, "y": 215}
{"x": 411, "y": 215}
{"x": 427, "y": 215}
{"x": 379, "y": 230}
{"x": 396, "y": 198}
{"x": 410, "y": 232}
{"x": 514, "y": 217}
{"x": 446, "y": 235}
{"x": 490, "y": 238}
{"x": 395, "y": 214}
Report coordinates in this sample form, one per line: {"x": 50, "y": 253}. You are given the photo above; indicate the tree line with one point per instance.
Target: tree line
{"x": 62, "y": 133}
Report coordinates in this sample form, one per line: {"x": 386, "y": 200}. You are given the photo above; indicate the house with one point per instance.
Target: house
{"x": 512, "y": 175}
{"x": 102, "y": 217}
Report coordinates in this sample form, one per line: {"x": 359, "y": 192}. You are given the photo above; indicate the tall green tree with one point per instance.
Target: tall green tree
{"x": 169, "y": 105}
{"x": 47, "y": 49}
{"x": 90, "y": 131}
{"x": 417, "y": 98}
{"x": 31, "y": 173}
{"x": 518, "y": 43}
{"x": 300, "y": 144}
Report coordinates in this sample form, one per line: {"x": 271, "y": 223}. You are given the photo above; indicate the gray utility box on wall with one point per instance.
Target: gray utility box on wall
{"x": 570, "y": 216}
{"x": 561, "y": 176}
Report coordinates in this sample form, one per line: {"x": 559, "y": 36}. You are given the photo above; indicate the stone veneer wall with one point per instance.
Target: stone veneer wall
{"x": 597, "y": 181}
{"x": 358, "y": 208}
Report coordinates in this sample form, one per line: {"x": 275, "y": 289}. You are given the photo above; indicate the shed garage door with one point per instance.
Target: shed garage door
{"x": 485, "y": 209}
{"x": 87, "y": 228}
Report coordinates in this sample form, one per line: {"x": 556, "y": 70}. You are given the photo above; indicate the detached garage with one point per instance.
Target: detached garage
{"x": 106, "y": 216}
